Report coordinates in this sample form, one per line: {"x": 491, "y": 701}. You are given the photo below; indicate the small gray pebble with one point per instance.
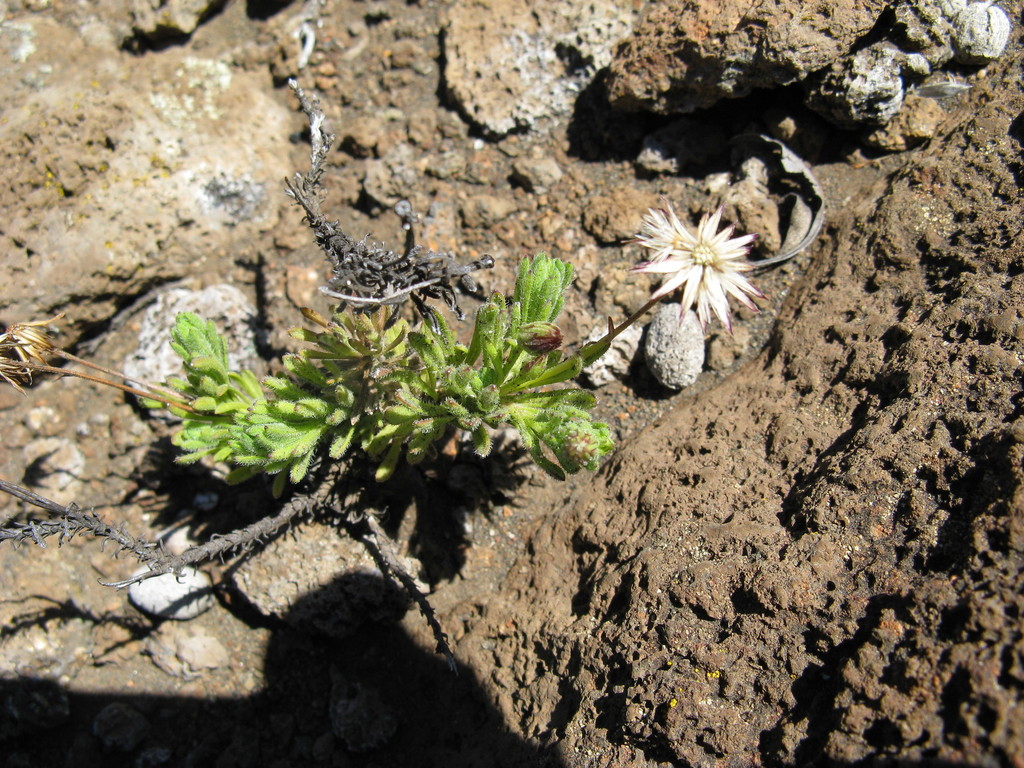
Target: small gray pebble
{"x": 173, "y": 597}
{"x": 120, "y": 727}
{"x": 674, "y": 350}
{"x": 205, "y": 502}
{"x": 537, "y": 174}
{"x": 153, "y": 757}
{"x": 980, "y": 33}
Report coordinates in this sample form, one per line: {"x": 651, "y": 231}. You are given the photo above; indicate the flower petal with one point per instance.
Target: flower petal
{"x": 707, "y": 285}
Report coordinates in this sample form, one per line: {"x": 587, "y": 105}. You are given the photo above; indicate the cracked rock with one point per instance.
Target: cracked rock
{"x": 511, "y": 63}
{"x": 866, "y": 89}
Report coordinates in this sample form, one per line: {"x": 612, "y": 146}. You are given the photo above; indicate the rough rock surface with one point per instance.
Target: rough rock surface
{"x": 171, "y": 135}
{"x": 822, "y": 559}
{"x": 812, "y": 556}
{"x": 319, "y": 580}
{"x": 687, "y": 54}
{"x": 857, "y": 58}
{"x": 533, "y": 58}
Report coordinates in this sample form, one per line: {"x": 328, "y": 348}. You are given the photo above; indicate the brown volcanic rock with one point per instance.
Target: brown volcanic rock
{"x": 688, "y": 54}
{"x": 821, "y": 559}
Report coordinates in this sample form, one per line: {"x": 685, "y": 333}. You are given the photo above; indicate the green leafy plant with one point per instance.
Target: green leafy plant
{"x": 367, "y": 379}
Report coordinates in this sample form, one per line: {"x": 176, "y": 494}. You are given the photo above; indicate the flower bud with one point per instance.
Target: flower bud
{"x": 581, "y": 444}
{"x": 540, "y": 337}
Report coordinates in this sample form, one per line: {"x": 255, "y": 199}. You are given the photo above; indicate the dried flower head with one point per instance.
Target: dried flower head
{"x": 23, "y": 345}
{"x": 708, "y": 264}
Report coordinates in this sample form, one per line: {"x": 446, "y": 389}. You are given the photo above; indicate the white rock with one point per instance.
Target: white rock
{"x": 173, "y": 597}
{"x": 980, "y": 33}
{"x": 613, "y": 364}
{"x": 231, "y": 311}
{"x": 509, "y": 64}
{"x": 674, "y": 350}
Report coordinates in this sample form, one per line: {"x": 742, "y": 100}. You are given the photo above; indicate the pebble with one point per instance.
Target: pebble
{"x": 43, "y": 420}
{"x": 615, "y": 215}
{"x": 486, "y": 210}
{"x": 185, "y": 650}
{"x": 615, "y": 363}
{"x": 537, "y": 174}
{"x": 359, "y": 717}
{"x": 980, "y": 33}
{"x": 120, "y": 727}
{"x": 173, "y": 597}
{"x": 681, "y": 145}
{"x": 674, "y": 350}
{"x": 234, "y": 315}
{"x": 202, "y": 651}
{"x": 153, "y": 757}
{"x": 206, "y": 501}
{"x": 866, "y": 88}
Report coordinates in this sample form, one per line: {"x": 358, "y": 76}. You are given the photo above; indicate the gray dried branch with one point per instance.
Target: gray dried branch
{"x": 238, "y": 541}
{"x": 368, "y": 275}
{"x": 382, "y": 549}
{"x": 72, "y": 521}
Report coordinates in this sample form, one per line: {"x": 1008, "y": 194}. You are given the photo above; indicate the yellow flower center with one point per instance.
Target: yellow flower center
{"x": 703, "y": 254}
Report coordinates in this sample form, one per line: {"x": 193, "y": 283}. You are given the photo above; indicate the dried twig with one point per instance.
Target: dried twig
{"x": 368, "y": 275}
{"x": 382, "y": 550}
{"x": 72, "y": 521}
{"x": 808, "y": 217}
{"x": 238, "y": 541}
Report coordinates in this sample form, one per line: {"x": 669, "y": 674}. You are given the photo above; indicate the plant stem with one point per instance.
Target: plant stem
{"x": 592, "y": 351}
{"x": 108, "y": 383}
{"x": 116, "y": 374}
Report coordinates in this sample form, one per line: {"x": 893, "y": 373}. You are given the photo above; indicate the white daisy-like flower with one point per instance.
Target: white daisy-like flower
{"x": 708, "y": 264}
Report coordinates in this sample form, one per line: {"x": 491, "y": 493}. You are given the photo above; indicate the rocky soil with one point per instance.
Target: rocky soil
{"x": 812, "y": 555}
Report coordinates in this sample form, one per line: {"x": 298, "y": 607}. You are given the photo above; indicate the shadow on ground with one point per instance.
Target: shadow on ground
{"x": 373, "y": 699}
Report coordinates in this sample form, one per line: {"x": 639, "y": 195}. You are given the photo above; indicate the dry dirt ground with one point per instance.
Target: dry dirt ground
{"x": 814, "y": 556}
